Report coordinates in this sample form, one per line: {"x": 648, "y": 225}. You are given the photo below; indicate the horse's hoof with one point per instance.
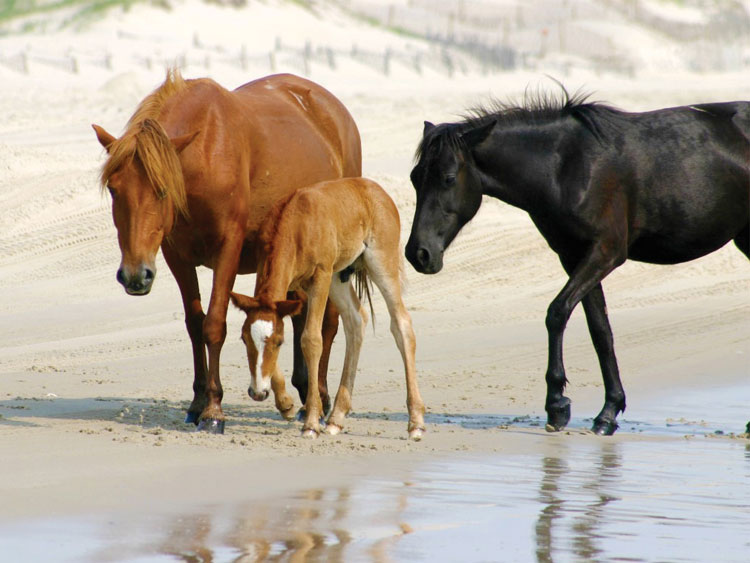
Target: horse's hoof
{"x": 558, "y": 415}
{"x": 604, "y": 427}
{"x": 288, "y": 414}
{"x": 193, "y": 417}
{"x": 302, "y": 416}
{"x": 416, "y": 434}
{"x": 211, "y": 425}
{"x": 333, "y": 429}
{"x": 309, "y": 434}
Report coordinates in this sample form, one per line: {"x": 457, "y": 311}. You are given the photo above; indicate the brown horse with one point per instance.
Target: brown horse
{"x": 196, "y": 173}
{"x": 314, "y": 241}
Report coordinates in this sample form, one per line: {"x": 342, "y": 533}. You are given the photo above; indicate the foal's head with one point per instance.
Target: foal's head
{"x": 263, "y": 335}
{"x": 449, "y": 191}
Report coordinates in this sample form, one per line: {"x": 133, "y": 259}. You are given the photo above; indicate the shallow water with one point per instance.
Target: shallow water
{"x": 681, "y": 495}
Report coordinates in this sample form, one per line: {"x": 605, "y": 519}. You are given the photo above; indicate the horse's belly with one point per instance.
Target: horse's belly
{"x": 655, "y": 249}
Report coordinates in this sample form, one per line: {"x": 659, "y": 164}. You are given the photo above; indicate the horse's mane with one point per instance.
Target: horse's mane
{"x": 146, "y": 140}
{"x": 537, "y": 108}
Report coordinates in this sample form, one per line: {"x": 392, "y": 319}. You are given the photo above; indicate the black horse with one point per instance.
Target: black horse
{"x": 602, "y": 186}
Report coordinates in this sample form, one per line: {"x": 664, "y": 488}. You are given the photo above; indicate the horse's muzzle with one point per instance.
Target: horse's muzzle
{"x": 423, "y": 260}
{"x": 138, "y": 282}
{"x": 262, "y": 396}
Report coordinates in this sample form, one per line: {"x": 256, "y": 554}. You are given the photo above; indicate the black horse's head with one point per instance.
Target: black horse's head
{"x": 449, "y": 191}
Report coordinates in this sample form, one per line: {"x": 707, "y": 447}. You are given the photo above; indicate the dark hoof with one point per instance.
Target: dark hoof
{"x": 558, "y": 415}
{"x": 604, "y": 427}
{"x": 193, "y": 417}
{"x": 302, "y": 416}
{"x": 211, "y": 425}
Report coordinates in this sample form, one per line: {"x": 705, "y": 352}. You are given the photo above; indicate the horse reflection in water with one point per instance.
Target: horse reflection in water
{"x": 312, "y": 526}
{"x": 559, "y": 483}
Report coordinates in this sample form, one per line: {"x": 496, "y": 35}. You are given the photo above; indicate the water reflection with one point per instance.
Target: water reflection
{"x": 585, "y": 518}
{"x": 584, "y": 500}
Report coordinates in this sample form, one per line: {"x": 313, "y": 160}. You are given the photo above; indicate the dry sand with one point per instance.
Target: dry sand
{"x": 95, "y": 383}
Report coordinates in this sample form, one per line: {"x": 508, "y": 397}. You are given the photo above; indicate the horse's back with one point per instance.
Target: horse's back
{"x": 687, "y": 176}
{"x": 273, "y": 97}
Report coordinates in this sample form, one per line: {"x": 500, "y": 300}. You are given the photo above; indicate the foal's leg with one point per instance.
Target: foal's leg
{"x": 312, "y": 347}
{"x": 601, "y": 335}
{"x": 284, "y": 402}
{"x": 384, "y": 269}
{"x": 345, "y": 299}
{"x": 599, "y": 261}
{"x": 299, "y": 371}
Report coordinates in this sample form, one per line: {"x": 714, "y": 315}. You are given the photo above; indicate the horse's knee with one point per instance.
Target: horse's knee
{"x": 214, "y": 331}
{"x": 311, "y": 344}
{"x": 557, "y": 317}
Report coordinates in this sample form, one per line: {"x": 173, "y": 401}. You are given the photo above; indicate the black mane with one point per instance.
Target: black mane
{"x": 537, "y": 108}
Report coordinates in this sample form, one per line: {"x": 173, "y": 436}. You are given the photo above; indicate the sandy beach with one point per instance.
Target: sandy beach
{"x": 95, "y": 383}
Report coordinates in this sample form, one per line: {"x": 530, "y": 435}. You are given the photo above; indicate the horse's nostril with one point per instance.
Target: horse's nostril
{"x": 148, "y": 275}
{"x": 423, "y": 256}
{"x": 121, "y": 276}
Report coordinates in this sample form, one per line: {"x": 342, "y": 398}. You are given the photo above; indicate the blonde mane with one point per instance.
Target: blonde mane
{"x": 146, "y": 140}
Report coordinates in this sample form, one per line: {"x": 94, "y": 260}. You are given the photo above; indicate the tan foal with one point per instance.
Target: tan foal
{"x": 314, "y": 241}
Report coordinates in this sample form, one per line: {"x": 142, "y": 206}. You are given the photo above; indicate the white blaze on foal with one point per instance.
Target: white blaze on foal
{"x": 260, "y": 331}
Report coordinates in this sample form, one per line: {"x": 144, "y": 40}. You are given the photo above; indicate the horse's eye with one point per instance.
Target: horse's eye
{"x": 450, "y": 180}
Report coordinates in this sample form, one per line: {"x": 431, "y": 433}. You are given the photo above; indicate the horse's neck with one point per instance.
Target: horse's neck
{"x": 275, "y": 275}
{"x": 520, "y": 177}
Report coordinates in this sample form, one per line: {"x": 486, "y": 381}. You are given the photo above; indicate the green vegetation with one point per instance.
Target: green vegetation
{"x": 15, "y": 9}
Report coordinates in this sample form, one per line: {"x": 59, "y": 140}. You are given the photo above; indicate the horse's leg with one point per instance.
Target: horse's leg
{"x": 346, "y": 301}
{"x": 384, "y": 269}
{"x": 311, "y": 343}
{"x": 284, "y": 402}
{"x": 215, "y": 332}
{"x": 601, "y": 335}
{"x": 299, "y": 371}
{"x": 187, "y": 281}
{"x": 330, "y": 328}
{"x": 742, "y": 240}
{"x": 599, "y": 261}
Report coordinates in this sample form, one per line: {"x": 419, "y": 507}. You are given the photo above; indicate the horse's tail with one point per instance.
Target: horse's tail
{"x": 363, "y": 285}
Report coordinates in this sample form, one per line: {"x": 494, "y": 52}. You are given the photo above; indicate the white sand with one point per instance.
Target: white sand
{"x": 95, "y": 383}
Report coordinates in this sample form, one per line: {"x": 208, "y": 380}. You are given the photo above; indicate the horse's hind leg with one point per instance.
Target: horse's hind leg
{"x": 353, "y": 317}
{"x": 601, "y": 335}
{"x": 742, "y": 240}
{"x": 384, "y": 271}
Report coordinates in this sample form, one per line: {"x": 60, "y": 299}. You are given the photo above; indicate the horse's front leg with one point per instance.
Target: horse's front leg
{"x": 299, "y": 371}
{"x": 601, "y": 335}
{"x": 599, "y": 261}
{"x": 187, "y": 281}
{"x": 312, "y": 348}
{"x": 284, "y": 402}
{"x": 215, "y": 331}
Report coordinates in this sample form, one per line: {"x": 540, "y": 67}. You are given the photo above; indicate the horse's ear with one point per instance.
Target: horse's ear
{"x": 427, "y": 128}
{"x": 244, "y": 302}
{"x": 183, "y": 141}
{"x": 475, "y": 136}
{"x": 105, "y": 139}
{"x": 290, "y": 307}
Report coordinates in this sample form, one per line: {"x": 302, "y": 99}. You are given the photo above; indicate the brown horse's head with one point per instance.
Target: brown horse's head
{"x": 144, "y": 176}
{"x": 263, "y": 335}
